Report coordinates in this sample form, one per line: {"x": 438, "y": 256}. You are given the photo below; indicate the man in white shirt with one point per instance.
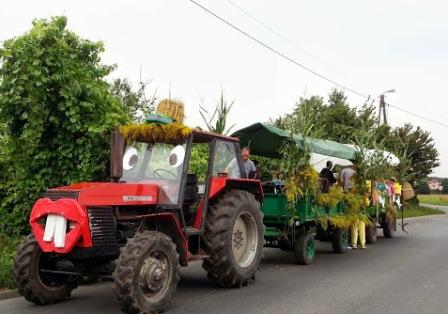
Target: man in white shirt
{"x": 247, "y": 163}
{"x": 347, "y": 178}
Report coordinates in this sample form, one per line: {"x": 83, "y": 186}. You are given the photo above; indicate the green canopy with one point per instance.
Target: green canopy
{"x": 266, "y": 140}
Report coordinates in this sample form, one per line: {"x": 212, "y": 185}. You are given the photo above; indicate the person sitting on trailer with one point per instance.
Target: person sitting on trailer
{"x": 327, "y": 177}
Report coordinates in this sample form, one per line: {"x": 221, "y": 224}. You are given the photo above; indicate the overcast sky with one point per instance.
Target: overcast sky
{"x": 369, "y": 46}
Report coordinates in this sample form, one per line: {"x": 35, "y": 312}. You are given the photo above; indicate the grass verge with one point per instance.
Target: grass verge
{"x": 7, "y": 251}
{"x": 434, "y": 199}
{"x": 417, "y": 211}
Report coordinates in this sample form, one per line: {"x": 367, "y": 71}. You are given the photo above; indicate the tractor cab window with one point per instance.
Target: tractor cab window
{"x": 225, "y": 160}
{"x": 156, "y": 163}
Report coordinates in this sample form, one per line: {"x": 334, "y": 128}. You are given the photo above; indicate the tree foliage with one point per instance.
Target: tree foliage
{"x": 339, "y": 121}
{"x": 135, "y": 103}
{"x": 419, "y": 146}
{"x": 342, "y": 123}
{"x": 445, "y": 185}
{"x": 57, "y": 111}
{"x": 422, "y": 186}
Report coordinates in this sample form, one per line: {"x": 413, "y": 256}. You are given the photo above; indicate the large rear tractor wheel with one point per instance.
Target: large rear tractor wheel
{"x": 371, "y": 233}
{"x": 233, "y": 239}
{"x": 304, "y": 248}
{"x": 147, "y": 273}
{"x": 339, "y": 240}
{"x": 389, "y": 226}
{"x": 33, "y": 277}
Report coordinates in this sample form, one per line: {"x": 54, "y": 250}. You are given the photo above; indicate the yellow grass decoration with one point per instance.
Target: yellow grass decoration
{"x": 173, "y": 133}
{"x": 342, "y": 221}
{"x": 171, "y": 108}
{"x": 332, "y": 198}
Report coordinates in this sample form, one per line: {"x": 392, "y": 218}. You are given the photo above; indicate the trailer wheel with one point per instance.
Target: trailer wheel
{"x": 233, "y": 239}
{"x": 339, "y": 240}
{"x": 371, "y": 233}
{"x": 147, "y": 273}
{"x": 35, "y": 285}
{"x": 389, "y": 226}
{"x": 304, "y": 248}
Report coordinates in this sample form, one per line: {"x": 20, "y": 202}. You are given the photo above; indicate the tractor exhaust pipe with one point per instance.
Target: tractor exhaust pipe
{"x": 116, "y": 155}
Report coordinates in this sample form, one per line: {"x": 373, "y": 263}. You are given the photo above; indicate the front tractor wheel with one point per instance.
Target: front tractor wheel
{"x": 233, "y": 239}
{"x": 33, "y": 276}
{"x": 147, "y": 273}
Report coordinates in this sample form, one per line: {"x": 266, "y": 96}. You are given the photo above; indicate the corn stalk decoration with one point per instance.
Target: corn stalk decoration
{"x": 300, "y": 178}
{"x": 217, "y": 121}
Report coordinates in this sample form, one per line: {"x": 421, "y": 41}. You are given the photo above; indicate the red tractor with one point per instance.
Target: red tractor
{"x": 153, "y": 217}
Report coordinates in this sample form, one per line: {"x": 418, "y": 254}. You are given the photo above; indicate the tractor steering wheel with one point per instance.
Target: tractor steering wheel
{"x": 157, "y": 174}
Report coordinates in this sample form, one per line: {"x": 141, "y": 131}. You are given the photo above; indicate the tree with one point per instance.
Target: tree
{"x": 339, "y": 121}
{"x": 217, "y": 122}
{"x": 422, "y": 186}
{"x": 57, "y": 112}
{"x": 445, "y": 185}
{"x": 344, "y": 124}
{"x": 135, "y": 103}
{"x": 420, "y": 148}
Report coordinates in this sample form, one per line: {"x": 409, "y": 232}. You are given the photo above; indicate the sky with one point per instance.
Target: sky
{"x": 368, "y": 46}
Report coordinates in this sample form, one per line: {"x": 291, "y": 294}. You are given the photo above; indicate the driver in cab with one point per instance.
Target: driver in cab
{"x": 249, "y": 166}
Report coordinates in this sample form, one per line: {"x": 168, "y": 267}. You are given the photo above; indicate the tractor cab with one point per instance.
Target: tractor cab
{"x": 186, "y": 173}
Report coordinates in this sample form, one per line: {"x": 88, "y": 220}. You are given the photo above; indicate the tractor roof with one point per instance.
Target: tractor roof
{"x": 205, "y": 137}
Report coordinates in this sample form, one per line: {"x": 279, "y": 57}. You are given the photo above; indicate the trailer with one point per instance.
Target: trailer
{"x": 295, "y": 229}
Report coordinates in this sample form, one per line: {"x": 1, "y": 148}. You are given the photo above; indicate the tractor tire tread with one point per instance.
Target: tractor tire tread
{"x": 125, "y": 267}
{"x": 218, "y": 265}
{"x": 28, "y": 285}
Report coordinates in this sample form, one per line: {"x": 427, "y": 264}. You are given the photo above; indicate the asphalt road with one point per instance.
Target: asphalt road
{"x": 406, "y": 274}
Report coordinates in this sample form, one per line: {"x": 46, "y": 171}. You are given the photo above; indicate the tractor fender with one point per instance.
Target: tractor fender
{"x": 169, "y": 224}
{"x": 221, "y": 184}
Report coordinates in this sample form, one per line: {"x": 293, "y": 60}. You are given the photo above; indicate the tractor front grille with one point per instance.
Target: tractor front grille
{"x": 102, "y": 226}
{"x": 54, "y": 195}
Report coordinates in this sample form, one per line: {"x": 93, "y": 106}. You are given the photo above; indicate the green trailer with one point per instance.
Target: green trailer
{"x": 295, "y": 229}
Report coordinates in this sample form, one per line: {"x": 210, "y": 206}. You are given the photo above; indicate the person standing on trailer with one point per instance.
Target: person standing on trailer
{"x": 327, "y": 177}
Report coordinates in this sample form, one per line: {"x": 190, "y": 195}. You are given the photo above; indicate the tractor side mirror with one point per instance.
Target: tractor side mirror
{"x": 116, "y": 155}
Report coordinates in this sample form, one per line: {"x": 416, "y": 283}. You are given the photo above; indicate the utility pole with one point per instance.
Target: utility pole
{"x": 383, "y": 107}
{"x": 383, "y": 110}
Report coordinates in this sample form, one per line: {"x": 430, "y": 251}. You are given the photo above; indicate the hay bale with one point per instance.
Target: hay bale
{"x": 407, "y": 191}
{"x": 171, "y": 108}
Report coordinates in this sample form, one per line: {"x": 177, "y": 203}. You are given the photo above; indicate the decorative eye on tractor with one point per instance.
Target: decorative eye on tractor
{"x": 177, "y": 156}
{"x": 130, "y": 158}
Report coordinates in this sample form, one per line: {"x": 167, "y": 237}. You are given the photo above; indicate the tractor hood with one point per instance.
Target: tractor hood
{"x": 60, "y": 220}
{"x": 107, "y": 193}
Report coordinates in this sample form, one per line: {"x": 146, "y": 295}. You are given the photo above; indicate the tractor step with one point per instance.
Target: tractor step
{"x": 199, "y": 256}
{"x": 192, "y": 231}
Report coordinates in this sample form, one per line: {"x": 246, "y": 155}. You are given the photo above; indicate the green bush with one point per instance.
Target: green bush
{"x": 7, "y": 251}
{"x": 56, "y": 113}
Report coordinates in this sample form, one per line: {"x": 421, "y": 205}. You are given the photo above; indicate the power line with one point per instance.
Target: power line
{"x": 297, "y": 63}
{"x": 418, "y": 116}
{"x": 253, "y": 17}
{"x": 278, "y": 52}
{"x": 273, "y": 31}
